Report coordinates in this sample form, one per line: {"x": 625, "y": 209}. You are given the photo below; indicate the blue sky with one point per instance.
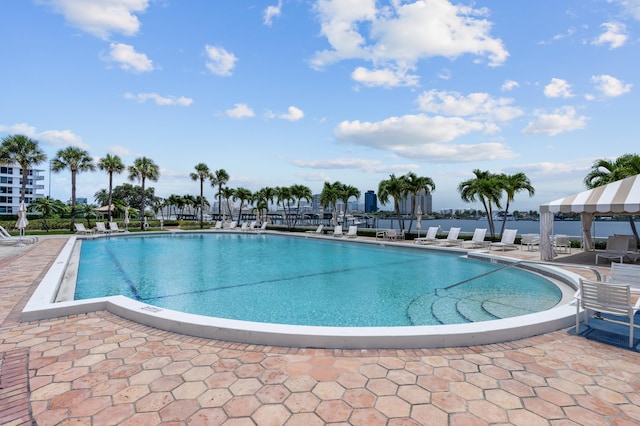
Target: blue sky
{"x": 283, "y": 92}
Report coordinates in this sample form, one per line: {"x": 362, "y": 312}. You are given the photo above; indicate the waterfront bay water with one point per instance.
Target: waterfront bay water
{"x": 600, "y": 228}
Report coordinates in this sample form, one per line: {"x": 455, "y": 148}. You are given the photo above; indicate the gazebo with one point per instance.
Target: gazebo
{"x": 621, "y": 197}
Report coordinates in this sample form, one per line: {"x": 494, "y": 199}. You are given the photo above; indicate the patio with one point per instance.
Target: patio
{"x": 101, "y": 369}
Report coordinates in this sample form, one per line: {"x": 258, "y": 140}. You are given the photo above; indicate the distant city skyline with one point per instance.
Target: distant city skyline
{"x": 285, "y": 92}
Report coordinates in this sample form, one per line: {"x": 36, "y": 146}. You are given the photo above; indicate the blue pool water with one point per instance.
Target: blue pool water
{"x": 306, "y": 281}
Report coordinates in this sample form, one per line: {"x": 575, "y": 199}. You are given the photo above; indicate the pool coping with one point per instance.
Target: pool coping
{"x": 42, "y": 305}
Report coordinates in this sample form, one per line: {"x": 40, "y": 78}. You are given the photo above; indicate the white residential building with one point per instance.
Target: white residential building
{"x": 11, "y": 184}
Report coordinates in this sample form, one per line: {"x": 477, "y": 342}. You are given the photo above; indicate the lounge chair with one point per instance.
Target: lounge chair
{"x": 353, "y": 231}
{"x": 430, "y": 238}
{"x": 618, "y": 249}
{"x": 252, "y": 226}
{"x": 478, "y": 239}
{"x": 80, "y": 229}
{"x": 230, "y": 225}
{"x": 263, "y": 227}
{"x": 623, "y": 273}
{"x": 614, "y": 299}
{"x": 25, "y": 239}
{"x": 244, "y": 227}
{"x": 529, "y": 240}
{"x": 218, "y": 225}
{"x": 318, "y": 231}
{"x": 452, "y": 238}
{"x": 507, "y": 240}
{"x": 337, "y": 231}
{"x": 101, "y": 228}
{"x": 113, "y": 227}
{"x": 562, "y": 243}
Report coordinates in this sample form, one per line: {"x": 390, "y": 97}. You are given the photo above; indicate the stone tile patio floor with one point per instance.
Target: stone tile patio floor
{"x": 99, "y": 369}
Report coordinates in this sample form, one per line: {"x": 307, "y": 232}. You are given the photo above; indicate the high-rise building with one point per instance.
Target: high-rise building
{"x": 370, "y": 202}
{"x": 423, "y": 200}
{"x": 11, "y": 185}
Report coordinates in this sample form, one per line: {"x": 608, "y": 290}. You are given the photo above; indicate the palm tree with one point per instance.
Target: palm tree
{"x": 22, "y": 150}
{"x": 605, "y": 171}
{"x": 485, "y": 187}
{"x": 143, "y": 168}
{"x": 243, "y": 195}
{"x": 202, "y": 173}
{"x": 173, "y": 201}
{"x": 512, "y": 184}
{"x": 77, "y": 160}
{"x": 228, "y": 193}
{"x": 48, "y": 207}
{"x": 111, "y": 164}
{"x": 395, "y": 187}
{"x": 88, "y": 211}
{"x": 345, "y": 193}
{"x": 219, "y": 179}
{"x": 284, "y": 197}
{"x": 263, "y": 197}
{"x": 415, "y": 185}
{"x": 329, "y": 197}
{"x": 300, "y": 192}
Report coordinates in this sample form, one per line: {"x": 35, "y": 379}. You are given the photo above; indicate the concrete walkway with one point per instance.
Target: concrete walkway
{"x": 98, "y": 369}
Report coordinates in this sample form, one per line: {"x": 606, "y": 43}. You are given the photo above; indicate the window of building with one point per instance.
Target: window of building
{"x": 6, "y": 170}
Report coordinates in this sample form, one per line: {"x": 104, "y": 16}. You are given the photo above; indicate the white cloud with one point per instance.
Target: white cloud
{"x": 509, "y": 85}
{"x": 561, "y": 120}
{"x": 615, "y": 35}
{"x": 632, "y": 7}
{"x": 558, "y": 88}
{"x": 56, "y": 138}
{"x": 569, "y": 33}
{"x": 384, "y": 77}
{"x": 420, "y": 137}
{"x": 101, "y": 17}
{"x": 610, "y": 86}
{"x": 159, "y": 100}
{"x": 219, "y": 61}
{"x": 129, "y": 59}
{"x": 120, "y": 151}
{"x": 293, "y": 114}
{"x": 400, "y": 35}
{"x": 475, "y": 105}
{"x": 271, "y": 12}
{"x": 240, "y": 111}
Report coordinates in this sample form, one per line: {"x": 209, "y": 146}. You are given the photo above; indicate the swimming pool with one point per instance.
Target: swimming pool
{"x": 307, "y": 281}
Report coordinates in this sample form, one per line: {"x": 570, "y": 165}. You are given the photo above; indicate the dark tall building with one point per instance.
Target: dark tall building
{"x": 370, "y": 202}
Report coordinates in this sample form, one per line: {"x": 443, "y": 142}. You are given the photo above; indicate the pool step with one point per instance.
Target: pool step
{"x": 445, "y": 309}
{"x": 420, "y": 311}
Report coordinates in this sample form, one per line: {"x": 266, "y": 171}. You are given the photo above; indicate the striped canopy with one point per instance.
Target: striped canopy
{"x": 619, "y": 197}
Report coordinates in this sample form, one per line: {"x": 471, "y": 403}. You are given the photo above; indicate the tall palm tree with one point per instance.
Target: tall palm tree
{"x": 143, "y": 168}
{"x": 242, "y": 194}
{"x": 605, "y": 171}
{"x": 512, "y": 184}
{"x": 228, "y": 193}
{"x": 415, "y": 185}
{"x": 329, "y": 197}
{"x": 202, "y": 173}
{"x": 111, "y": 164}
{"x": 173, "y": 202}
{"x": 485, "y": 187}
{"x": 219, "y": 179}
{"x": 396, "y": 188}
{"x": 48, "y": 207}
{"x": 77, "y": 160}
{"x": 299, "y": 193}
{"x": 263, "y": 197}
{"x": 345, "y": 193}
{"x": 24, "y": 151}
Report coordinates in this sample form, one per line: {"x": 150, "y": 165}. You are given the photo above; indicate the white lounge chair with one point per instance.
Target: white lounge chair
{"x": 477, "y": 240}
{"x": 218, "y": 225}
{"x": 452, "y": 238}
{"x": 101, "y": 228}
{"x": 263, "y": 227}
{"x": 562, "y": 243}
{"x": 337, "y": 231}
{"x": 430, "y": 238}
{"x": 28, "y": 240}
{"x": 623, "y": 273}
{"x": 614, "y": 299}
{"x": 318, "y": 231}
{"x": 113, "y": 227}
{"x": 618, "y": 249}
{"x": 507, "y": 240}
{"x": 244, "y": 227}
{"x": 80, "y": 229}
{"x": 352, "y": 232}
{"x": 230, "y": 225}
{"x": 529, "y": 240}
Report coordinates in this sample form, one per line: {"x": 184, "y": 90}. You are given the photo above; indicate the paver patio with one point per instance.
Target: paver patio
{"x": 100, "y": 369}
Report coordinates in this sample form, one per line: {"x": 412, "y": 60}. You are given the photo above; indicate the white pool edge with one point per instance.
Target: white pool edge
{"x": 42, "y": 306}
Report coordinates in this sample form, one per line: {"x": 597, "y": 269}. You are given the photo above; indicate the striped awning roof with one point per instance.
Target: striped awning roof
{"x": 620, "y": 197}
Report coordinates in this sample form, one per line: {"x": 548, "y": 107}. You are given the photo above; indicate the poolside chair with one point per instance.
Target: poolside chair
{"x": 318, "y": 231}
{"x": 337, "y": 231}
{"x": 478, "y": 239}
{"x": 452, "y": 238}
{"x": 113, "y": 227}
{"x": 101, "y": 228}
{"x": 507, "y": 240}
{"x": 562, "y": 243}
{"x": 623, "y": 273}
{"x": 244, "y": 227}
{"x": 618, "y": 249}
{"x": 231, "y": 225}
{"x": 430, "y": 238}
{"x": 25, "y": 239}
{"x": 529, "y": 240}
{"x": 614, "y": 299}
{"x": 252, "y": 226}
{"x": 353, "y": 232}
{"x": 218, "y": 225}
{"x": 263, "y": 227}
{"x": 80, "y": 229}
